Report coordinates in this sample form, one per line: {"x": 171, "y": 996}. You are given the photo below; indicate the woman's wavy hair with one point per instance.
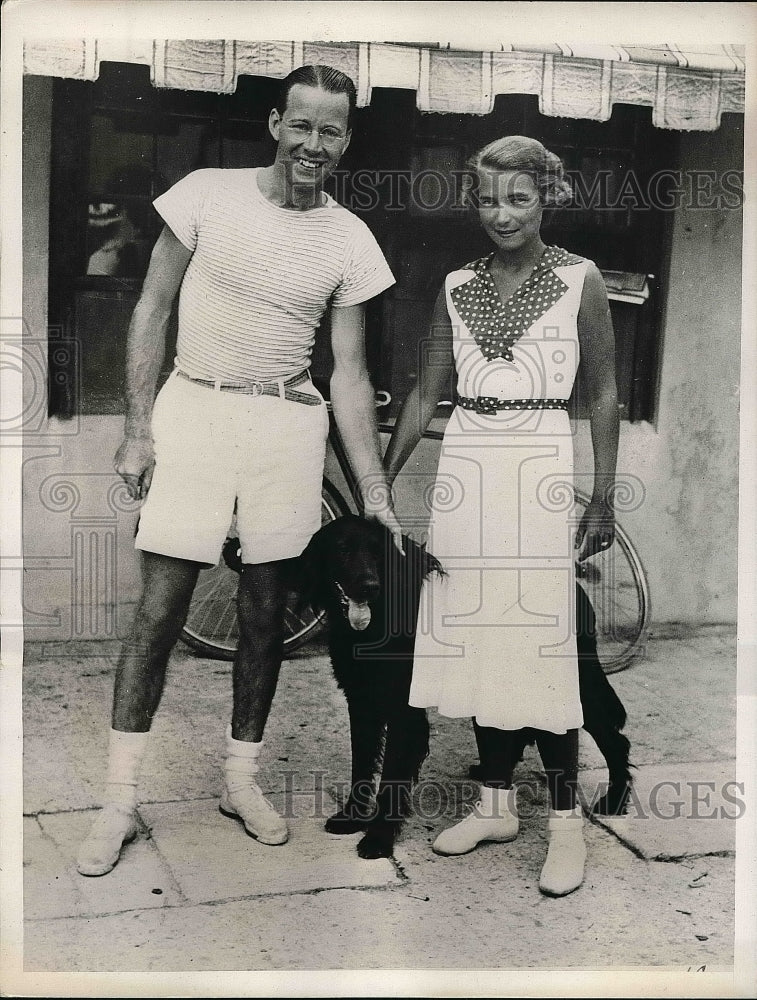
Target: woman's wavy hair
{"x": 318, "y": 75}
{"x": 519, "y": 152}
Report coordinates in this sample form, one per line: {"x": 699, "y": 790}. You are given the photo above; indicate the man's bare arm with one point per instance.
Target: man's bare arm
{"x": 145, "y": 350}
{"x": 353, "y": 400}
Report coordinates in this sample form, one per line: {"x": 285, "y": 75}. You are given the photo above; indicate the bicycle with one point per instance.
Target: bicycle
{"x": 614, "y": 580}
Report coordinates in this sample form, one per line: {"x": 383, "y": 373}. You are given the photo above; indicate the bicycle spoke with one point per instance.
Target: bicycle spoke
{"x": 615, "y": 583}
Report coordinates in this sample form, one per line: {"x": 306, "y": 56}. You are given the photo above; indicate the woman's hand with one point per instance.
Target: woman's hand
{"x": 596, "y": 531}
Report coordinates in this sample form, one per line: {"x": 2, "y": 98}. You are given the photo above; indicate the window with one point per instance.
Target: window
{"x": 119, "y": 142}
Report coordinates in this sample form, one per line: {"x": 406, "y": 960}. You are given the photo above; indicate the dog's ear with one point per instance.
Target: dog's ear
{"x": 394, "y": 560}
{"x": 431, "y": 564}
{"x": 425, "y": 561}
{"x": 306, "y": 575}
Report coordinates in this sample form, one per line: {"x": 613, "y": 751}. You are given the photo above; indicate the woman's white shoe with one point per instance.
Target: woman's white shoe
{"x": 494, "y": 817}
{"x": 563, "y": 871}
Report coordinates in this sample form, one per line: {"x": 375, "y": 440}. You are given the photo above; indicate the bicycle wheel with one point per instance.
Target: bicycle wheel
{"x": 617, "y": 587}
{"x": 211, "y": 627}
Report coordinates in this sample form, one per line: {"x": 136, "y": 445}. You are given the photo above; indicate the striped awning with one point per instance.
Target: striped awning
{"x": 686, "y": 89}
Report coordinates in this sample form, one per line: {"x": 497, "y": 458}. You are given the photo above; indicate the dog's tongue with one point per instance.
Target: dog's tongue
{"x": 359, "y": 615}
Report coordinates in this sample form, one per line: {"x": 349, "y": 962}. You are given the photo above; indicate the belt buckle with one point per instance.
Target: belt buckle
{"x": 256, "y": 387}
{"x": 486, "y": 405}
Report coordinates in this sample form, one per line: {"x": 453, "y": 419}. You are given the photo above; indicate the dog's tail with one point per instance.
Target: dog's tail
{"x": 597, "y": 694}
{"x": 599, "y": 698}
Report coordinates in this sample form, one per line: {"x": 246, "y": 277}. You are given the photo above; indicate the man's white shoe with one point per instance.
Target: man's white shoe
{"x": 99, "y": 853}
{"x": 260, "y": 819}
{"x": 494, "y": 818}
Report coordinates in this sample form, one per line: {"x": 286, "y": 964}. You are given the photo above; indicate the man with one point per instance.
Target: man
{"x": 259, "y": 255}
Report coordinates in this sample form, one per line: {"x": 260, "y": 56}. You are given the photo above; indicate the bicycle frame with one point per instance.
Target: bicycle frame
{"x": 340, "y": 453}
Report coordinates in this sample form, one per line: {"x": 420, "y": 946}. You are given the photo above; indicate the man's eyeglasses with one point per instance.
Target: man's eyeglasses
{"x": 328, "y": 135}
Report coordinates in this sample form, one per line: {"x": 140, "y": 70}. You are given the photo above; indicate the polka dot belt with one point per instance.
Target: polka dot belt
{"x": 490, "y": 404}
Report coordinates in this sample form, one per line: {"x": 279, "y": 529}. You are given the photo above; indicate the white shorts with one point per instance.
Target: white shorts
{"x": 215, "y": 450}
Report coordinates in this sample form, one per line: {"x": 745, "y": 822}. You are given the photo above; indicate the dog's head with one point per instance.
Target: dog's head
{"x": 350, "y": 561}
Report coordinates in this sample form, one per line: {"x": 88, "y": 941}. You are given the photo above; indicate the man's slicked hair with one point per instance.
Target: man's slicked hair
{"x": 326, "y": 78}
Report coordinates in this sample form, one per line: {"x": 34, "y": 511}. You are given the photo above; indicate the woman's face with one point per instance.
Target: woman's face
{"x": 509, "y": 208}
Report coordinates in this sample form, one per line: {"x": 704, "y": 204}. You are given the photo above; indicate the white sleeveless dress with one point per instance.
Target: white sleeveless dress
{"x": 496, "y": 635}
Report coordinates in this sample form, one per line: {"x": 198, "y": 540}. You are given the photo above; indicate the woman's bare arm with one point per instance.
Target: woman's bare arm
{"x": 420, "y": 405}
{"x": 597, "y": 343}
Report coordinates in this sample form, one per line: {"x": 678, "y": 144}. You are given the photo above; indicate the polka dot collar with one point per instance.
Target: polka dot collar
{"x": 496, "y": 325}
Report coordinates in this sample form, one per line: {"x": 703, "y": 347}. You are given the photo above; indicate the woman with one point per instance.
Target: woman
{"x": 497, "y": 635}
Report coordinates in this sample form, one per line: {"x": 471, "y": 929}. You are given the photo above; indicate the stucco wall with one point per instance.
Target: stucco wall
{"x": 686, "y": 530}
{"x": 82, "y": 577}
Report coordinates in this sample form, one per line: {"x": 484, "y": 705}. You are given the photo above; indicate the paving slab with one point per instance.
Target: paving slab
{"x": 238, "y": 866}
{"x": 678, "y": 810}
{"x": 482, "y": 911}
{"x": 180, "y": 762}
{"x": 141, "y": 880}
{"x": 629, "y": 911}
{"x": 57, "y": 775}
{"x": 460, "y": 916}
{"x": 49, "y": 886}
{"x": 681, "y": 697}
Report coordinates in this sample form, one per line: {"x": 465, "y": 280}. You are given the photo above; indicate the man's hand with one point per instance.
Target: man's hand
{"x": 134, "y": 463}
{"x": 596, "y": 532}
{"x": 388, "y": 518}
{"x": 377, "y": 504}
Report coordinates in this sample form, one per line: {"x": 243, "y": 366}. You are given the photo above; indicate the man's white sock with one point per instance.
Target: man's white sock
{"x": 241, "y": 761}
{"x": 125, "y": 755}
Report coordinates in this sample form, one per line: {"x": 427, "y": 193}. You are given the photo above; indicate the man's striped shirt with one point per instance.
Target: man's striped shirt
{"x": 261, "y": 277}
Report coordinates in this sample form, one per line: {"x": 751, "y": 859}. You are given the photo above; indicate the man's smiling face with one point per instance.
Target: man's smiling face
{"x": 312, "y": 133}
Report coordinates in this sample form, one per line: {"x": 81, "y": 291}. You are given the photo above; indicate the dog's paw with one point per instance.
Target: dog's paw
{"x": 343, "y": 823}
{"x": 372, "y": 846}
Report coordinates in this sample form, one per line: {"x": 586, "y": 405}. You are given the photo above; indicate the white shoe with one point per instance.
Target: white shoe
{"x": 260, "y": 819}
{"x": 563, "y": 871}
{"x": 494, "y": 817}
{"x": 99, "y": 853}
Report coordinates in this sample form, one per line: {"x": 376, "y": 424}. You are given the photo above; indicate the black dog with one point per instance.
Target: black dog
{"x": 371, "y": 594}
{"x": 603, "y": 711}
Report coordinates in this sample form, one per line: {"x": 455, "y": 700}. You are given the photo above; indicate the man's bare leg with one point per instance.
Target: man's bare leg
{"x": 261, "y": 602}
{"x": 167, "y": 586}
{"x": 162, "y": 611}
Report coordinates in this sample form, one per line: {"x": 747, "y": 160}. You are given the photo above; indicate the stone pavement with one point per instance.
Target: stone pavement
{"x": 192, "y": 893}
